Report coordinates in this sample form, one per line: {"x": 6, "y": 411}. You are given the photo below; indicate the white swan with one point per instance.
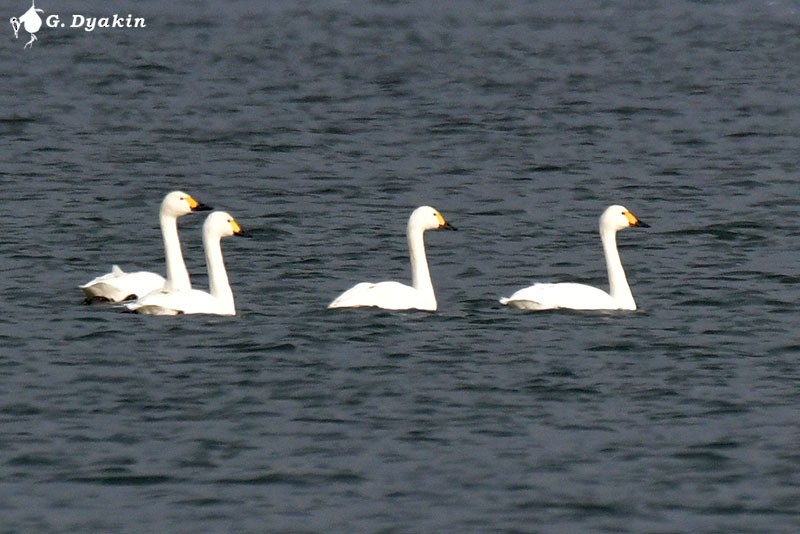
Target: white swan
{"x": 118, "y": 285}
{"x": 394, "y": 295}
{"x": 580, "y": 296}
{"x": 219, "y": 298}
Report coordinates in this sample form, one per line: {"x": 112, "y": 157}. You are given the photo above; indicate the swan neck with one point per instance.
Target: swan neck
{"x": 177, "y": 275}
{"x": 420, "y": 275}
{"x": 618, "y": 288}
{"x": 218, "y": 284}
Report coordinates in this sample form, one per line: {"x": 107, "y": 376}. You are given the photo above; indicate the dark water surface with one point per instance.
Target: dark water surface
{"x": 321, "y": 126}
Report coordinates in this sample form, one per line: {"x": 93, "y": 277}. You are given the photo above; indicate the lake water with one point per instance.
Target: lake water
{"x": 320, "y": 127}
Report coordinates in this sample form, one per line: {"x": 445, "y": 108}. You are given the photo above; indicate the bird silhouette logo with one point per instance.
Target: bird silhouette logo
{"x": 30, "y": 21}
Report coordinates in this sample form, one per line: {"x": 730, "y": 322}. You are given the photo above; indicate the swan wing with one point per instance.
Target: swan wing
{"x": 116, "y": 272}
{"x": 118, "y": 285}
{"x": 386, "y": 295}
{"x": 566, "y": 295}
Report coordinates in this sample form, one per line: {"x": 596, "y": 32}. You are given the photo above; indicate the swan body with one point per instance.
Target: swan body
{"x": 394, "y": 295}
{"x": 387, "y": 295}
{"x": 580, "y": 296}
{"x": 119, "y": 285}
{"x": 545, "y": 296}
{"x": 218, "y": 300}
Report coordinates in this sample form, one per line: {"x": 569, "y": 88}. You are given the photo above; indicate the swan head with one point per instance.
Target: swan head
{"x": 428, "y": 218}
{"x": 617, "y": 218}
{"x": 179, "y": 203}
{"x": 223, "y": 224}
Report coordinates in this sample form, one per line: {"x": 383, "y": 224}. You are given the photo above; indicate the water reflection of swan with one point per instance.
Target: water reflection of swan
{"x": 31, "y": 21}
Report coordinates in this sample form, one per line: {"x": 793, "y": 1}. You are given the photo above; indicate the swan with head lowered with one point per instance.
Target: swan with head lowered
{"x": 218, "y": 300}
{"x": 118, "y": 285}
{"x": 394, "y": 295}
{"x": 580, "y": 296}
